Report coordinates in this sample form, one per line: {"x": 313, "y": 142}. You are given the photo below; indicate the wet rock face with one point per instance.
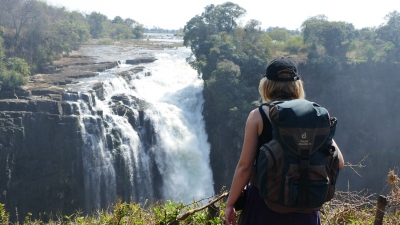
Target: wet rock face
{"x": 41, "y": 152}
{"x": 132, "y": 109}
{"x": 40, "y": 163}
{"x": 124, "y": 105}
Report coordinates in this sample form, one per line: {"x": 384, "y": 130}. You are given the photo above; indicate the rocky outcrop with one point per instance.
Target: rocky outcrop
{"x": 127, "y": 75}
{"x": 140, "y": 60}
{"x": 41, "y": 142}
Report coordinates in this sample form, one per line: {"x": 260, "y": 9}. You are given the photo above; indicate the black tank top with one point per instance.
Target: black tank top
{"x": 266, "y": 134}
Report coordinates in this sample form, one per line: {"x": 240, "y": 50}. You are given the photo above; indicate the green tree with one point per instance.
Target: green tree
{"x": 294, "y": 44}
{"x": 215, "y": 19}
{"x": 222, "y": 91}
{"x": 389, "y": 34}
{"x": 121, "y": 31}
{"x": 18, "y": 14}
{"x": 98, "y": 26}
{"x": 130, "y": 22}
{"x": 369, "y": 52}
{"x": 279, "y": 35}
{"x": 253, "y": 30}
{"x": 224, "y": 16}
{"x": 67, "y": 35}
{"x": 335, "y": 37}
{"x": 138, "y": 30}
{"x": 117, "y": 19}
{"x": 81, "y": 24}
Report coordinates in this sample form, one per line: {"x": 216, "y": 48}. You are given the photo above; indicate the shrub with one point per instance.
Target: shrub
{"x": 4, "y": 216}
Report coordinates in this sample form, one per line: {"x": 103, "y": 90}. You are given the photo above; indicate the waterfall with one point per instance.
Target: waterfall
{"x": 175, "y": 93}
{"x": 145, "y": 139}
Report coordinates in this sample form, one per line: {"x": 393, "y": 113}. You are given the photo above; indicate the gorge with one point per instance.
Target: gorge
{"x": 125, "y": 121}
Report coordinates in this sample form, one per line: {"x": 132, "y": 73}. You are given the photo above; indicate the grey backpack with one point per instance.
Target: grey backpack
{"x": 297, "y": 170}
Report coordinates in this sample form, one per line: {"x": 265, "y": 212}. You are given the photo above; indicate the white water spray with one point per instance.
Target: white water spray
{"x": 168, "y": 161}
{"x": 175, "y": 93}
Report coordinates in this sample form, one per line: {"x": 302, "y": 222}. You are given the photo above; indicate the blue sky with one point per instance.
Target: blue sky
{"x": 173, "y": 14}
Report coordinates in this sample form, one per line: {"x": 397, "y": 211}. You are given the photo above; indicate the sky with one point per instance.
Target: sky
{"x": 289, "y": 14}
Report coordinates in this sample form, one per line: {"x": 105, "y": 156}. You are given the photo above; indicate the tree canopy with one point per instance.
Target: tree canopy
{"x": 40, "y": 33}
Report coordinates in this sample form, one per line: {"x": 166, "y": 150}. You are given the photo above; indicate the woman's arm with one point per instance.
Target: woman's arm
{"x": 341, "y": 160}
{"x": 245, "y": 164}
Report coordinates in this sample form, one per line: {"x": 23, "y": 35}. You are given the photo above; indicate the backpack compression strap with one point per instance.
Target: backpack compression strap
{"x": 303, "y": 180}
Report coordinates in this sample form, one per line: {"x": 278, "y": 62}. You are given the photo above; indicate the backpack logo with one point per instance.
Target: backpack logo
{"x": 304, "y": 141}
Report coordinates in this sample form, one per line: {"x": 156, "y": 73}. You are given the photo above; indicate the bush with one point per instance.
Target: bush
{"x": 14, "y": 74}
{"x": 4, "y": 216}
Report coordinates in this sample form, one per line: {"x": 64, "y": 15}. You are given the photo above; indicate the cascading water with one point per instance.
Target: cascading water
{"x": 145, "y": 139}
{"x": 175, "y": 93}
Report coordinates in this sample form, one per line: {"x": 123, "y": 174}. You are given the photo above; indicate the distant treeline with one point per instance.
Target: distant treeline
{"x": 232, "y": 58}
{"x": 161, "y": 30}
{"x": 33, "y": 34}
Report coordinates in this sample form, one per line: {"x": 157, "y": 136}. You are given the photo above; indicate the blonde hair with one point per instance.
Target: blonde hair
{"x": 272, "y": 90}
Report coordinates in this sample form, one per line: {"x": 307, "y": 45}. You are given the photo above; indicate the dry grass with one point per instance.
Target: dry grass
{"x": 360, "y": 207}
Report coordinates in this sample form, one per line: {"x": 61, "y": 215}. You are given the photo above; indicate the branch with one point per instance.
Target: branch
{"x": 359, "y": 165}
{"x": 190, "y": 212}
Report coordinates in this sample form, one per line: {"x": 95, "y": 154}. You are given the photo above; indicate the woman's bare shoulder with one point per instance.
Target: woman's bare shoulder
{"x": 255, "y": 120}
{"x": 254, "y": 114}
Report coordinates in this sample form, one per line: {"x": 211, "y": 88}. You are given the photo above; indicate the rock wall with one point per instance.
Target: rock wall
{"x": 41, "y": 150}
{"x": 40, "y": 163}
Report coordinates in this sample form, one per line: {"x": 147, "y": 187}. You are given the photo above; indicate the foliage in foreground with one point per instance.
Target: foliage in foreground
{"x": 346, "y": 208}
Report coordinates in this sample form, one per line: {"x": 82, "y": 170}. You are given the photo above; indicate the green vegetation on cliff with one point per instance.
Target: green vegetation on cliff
{"x": 14, "y": 71}
{"x": 339, "y": 64}
{"x": 40, "y": 33}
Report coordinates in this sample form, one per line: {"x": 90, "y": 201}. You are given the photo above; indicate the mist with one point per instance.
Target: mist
{"x": 364, "y": 98}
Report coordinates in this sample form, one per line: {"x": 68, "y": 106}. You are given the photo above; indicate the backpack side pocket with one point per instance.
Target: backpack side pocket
{"x": 269, "y": 170}
{"x": 332, "y": 168}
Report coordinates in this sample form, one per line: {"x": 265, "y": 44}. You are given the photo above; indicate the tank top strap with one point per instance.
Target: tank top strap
{"x": 266, "y": 134}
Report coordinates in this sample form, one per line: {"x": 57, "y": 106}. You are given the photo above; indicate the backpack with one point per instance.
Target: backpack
{"x": 297, "y": 170}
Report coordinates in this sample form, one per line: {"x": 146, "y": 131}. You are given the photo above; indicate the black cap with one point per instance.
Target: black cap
{"x": 283, "y": 65}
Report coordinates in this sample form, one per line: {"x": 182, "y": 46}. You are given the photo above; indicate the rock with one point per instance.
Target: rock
{"x": 130, "y": 100}
{"x": 18, "y": 93}
{"x": 40, "y": 163}
{"x": 140, "y": 60}
{"x": 43, "y": 106}
{"x": 99, "y": 90}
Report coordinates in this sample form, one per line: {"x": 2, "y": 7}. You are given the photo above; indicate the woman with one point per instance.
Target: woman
{"x": 281, "y": 82}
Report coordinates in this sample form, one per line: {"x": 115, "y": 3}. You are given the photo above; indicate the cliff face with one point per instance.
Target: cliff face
{"x": 39, "y": 157}
{"x": 363, "y": 97}
{"x": 226, "y": 146}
